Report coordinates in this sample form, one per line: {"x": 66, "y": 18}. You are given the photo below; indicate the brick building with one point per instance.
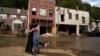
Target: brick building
{"x": 15, "y": 18}
{"x": 43, "y": 12}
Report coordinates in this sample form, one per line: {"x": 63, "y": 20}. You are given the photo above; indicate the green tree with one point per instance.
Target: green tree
{"x": 94, "y": 11}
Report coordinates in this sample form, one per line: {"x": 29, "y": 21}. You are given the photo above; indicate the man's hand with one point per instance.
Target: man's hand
{"x": 31, "y": 30}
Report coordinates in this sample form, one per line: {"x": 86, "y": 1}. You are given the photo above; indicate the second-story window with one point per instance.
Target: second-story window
{"x": 23, "y": 17}
{"x": 1, "y": 17}
{"x": 50, "y": 12}
{"x": 70, "y": 15}
{"x": 42, "y": 12}
{"x": 77, "y": 16}
{"x": 62, "y": 18}
{"x": 34, "y": 11}
{"x": 83, "y": 19}
{"x": 13, "y": 17}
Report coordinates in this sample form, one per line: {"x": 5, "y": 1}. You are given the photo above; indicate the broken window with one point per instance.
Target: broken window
{"x": 83, "y": 19}
{"x": 70, "y": 15}
{"x": 50, "y": 12}
{"x": 77, "y": 16}
{"x": 62, "y": 18}
{"x": 34, "y": 11}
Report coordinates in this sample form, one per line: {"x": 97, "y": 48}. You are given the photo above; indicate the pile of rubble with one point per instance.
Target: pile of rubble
{"x": 59, "y": 34}
{"x": 62, "y": 34}
{"x": 48, "y": 35}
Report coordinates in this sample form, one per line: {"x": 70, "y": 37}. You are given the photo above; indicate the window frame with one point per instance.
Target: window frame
{"x": 77, "y": 16}
{"x": 34, "y": 11}
{"x": 42, "y": 10}
{"x": 62, "y": 18}
{"x": 70, "y": 15}
{"x": 51, "y": 12}
{"x": 83, "y": 19}
{"x": 1, "y": 17}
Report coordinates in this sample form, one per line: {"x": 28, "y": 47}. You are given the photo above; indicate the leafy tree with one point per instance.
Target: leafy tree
{"x": 14, "y": 3}
{"x": 7, "y": 27}
{"x": 94, "y": 11}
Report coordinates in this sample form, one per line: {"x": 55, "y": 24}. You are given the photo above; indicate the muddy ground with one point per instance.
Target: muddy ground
{"x": 65, "y": 46}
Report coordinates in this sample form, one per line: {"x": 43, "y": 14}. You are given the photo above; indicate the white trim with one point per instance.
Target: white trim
{"x": 16, "y": 22}
{"x": 33, "y": 9}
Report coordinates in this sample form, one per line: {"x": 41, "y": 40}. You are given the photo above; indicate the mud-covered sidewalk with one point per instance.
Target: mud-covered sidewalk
{"x": 19, "y": 51}
{"x": 15, "y": 46}
{"x": 67, "y": 46}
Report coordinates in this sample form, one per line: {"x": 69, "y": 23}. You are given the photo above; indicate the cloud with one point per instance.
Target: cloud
{"x": 97, "y": 4}
{"x": 92, "y": 2}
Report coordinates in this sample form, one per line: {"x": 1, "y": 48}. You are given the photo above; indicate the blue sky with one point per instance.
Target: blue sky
{"x": 92, "y": 2}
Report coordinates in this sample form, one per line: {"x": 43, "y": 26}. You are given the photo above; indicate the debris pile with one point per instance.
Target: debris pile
{"x": 59, "y": 34}
{"x": 62, "y": 34}
{"x": 49, "y": 35}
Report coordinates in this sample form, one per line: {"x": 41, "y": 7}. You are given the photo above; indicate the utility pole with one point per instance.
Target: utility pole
{"x": 58, "y": 9}
{"x": 28, "y": 19}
